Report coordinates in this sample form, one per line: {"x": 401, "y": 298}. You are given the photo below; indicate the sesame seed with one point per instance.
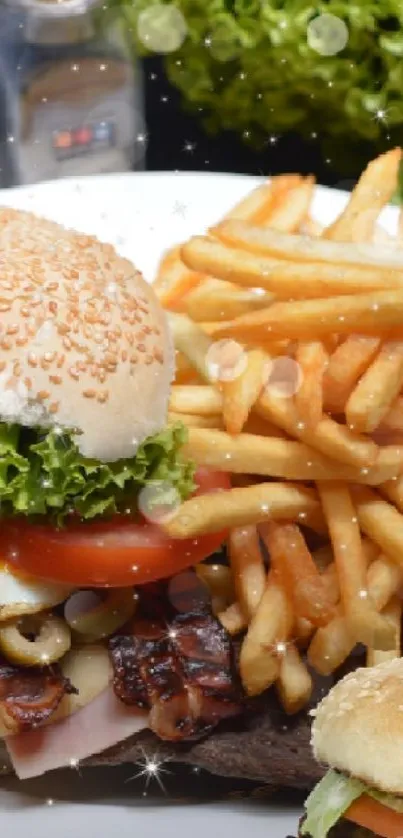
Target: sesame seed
{"x": 73, "y": 372}
{"x": 89, "y": 394}
{"x": 43, "y": 394}
{"x": 55, "y": 379}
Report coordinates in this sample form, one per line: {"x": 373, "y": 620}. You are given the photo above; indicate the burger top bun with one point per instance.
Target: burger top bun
{"x": 358, "y": 727}
{"x": 84, "y": 343}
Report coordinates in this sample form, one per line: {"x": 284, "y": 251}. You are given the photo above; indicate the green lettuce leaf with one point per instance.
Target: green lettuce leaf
{"x": 327, "y": 803}
{"x": 332, "y": 797}
{"x": 43, "y": 473}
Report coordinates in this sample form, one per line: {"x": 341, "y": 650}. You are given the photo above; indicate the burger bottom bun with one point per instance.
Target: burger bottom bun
{"x": 358, "y": 727}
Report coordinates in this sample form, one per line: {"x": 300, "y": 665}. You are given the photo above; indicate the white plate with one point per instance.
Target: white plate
{"x": 142, "y": 214}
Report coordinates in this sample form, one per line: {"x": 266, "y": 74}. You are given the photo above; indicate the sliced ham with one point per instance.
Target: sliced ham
{"x": 98, "y": 726}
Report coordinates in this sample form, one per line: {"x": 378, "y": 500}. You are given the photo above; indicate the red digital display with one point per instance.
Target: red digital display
{"x": 86, "y": 138}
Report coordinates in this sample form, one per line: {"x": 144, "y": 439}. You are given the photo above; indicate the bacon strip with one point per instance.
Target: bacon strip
{"x": 182, "y": 672}
{"x": 29, "y": 696}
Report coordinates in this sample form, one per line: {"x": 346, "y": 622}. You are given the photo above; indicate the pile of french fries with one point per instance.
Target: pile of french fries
{"x": 315, "y": 513}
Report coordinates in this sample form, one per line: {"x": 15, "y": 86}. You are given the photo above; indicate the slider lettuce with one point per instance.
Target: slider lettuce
{"x": 43, "y": 473}
{"x": 332, "y": 797}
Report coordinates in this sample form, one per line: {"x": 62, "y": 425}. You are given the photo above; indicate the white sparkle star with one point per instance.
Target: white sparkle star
{"x": 151, "y": 767}
{"x": 179, "y": 209}
{"x": 190, "y": 147}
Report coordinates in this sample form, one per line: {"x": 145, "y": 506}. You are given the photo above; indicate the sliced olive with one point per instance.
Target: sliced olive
{"x": 104, "y": 617}
{"x": 37, "y": 640}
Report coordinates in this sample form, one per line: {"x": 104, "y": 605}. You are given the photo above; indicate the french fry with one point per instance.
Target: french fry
{"x": 293, "y": 565}
{"x": 218, "y": 578}
{"x": 233, "y": 619}
{"x": 191, "y": 341}
{"x": 261, "y": 427}
{"x": 311, "y": 227}
{"x": 384, "y": 579}
{"x": 263, "y": 645}
{"x": 393, "y": 490}
{"x": 328, "y": 436}
{"x": 303, "y": 631}
{"x": 256, "y": 206}
{"x": 330, "y": 646}
{"x": 290, "y": 207}
{"x": 380, "y": 312}
{"x": 393, "y": 614}
{"x": 215, "y": 299}
{"x": 240, "y": 394}
{"x": 285, "y": 279}
{"x": 294, "y": 684}
{"x": 366, "y": 625}
{"x": 312, "y": 359}
{"x": 298, "y": 248}
{"x": 381, "y": 522}
{"x": 377, "y": 389}
{"x": 192, "y": 420}
{"x": 346, "y": 365}
{"x": 373, "y": 190}
{"x": 185, "y": 373}
{"x": 248, "y": 568}
{"x": 240, "y": 507}
{"x": 199, "y": 400}
{"x": 174, "y": 279}
{"x": 330, "y": 579}
{"x": 275, "y": 457}
{"x": 393, "y": 421}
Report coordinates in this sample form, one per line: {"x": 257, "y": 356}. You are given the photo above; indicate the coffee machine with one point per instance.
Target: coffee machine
{"x": 71, "y": 96}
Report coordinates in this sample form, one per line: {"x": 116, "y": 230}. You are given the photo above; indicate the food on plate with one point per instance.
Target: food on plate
{"x": 356, "y": 732}
{"x": 202, "y": 505}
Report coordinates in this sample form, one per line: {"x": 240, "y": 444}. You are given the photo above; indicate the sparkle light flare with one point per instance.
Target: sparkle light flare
{"x": 151, "y": 767}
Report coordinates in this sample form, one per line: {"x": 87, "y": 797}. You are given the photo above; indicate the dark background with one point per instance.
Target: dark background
{"x": 177, "y": 141}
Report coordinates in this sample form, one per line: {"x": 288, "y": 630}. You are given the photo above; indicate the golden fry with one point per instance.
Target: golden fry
{"x": 174, "y": 279}
{"x": 393, "y": 490}
{"x": 393, "y": 421}
{"x": 293, "y": 565}
{"x": 373, "y": 191}
{"x": 333, "y": 440}
{"x": 200, "y": 400}
{"x": 233, "y": 619}
{"x": 312, "y": 359}
{"x": 247, "y": 567}
{"x": 215, "y": 299}
{"x": 192, "y": 420}
{"x": 393, "y": 614}
{"x": 376, "y": 313}
{"x": 347, "y": 364}
{"x": 330, "y": 646}
{"x": 377, "y": 390}
{"x": 241, "y": 393}
{"x": 192, "y": 342}
{"x": 290, "y": 205}
{"x": 240, "y": 507}
{"x": 274, "y": 457}
{"x": 263, "y": 645}
{"x": 294, "y": 684}
{"x": 298, "y": 248}
{"x": 285, "y": 279}
{"x": 381, "y": 522}
{"x": 366, "y": 625}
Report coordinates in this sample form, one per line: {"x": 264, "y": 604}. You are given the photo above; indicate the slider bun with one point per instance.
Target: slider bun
{"x": 84, "y": 342}
{"x": 358, "y": 727}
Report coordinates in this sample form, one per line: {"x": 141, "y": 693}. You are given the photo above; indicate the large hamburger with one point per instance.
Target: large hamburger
{"x": 86, "y": 362}
{"x": 357, "y": 731}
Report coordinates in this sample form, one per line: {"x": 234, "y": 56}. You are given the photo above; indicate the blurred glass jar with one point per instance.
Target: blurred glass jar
{"x": 71, "y": 97}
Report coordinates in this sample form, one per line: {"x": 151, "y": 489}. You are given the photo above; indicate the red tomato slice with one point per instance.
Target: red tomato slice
{"x": 374, "y": 816}
{"x": 113, "y": 553}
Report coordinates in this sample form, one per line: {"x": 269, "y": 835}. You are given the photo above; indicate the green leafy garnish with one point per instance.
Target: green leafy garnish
{"x": 42, "y": 472}
{"x": 248, "y": 66}
{"x": 332, "y": 797}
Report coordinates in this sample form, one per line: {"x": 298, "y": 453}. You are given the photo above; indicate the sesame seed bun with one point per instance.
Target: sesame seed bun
{"x": 84, "y": 342}
{"x": 358, "y": 727}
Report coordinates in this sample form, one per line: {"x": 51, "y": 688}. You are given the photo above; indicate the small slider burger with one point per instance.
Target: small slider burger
{"x": 358, "y": 732}
{"x": 92, "y": 647}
